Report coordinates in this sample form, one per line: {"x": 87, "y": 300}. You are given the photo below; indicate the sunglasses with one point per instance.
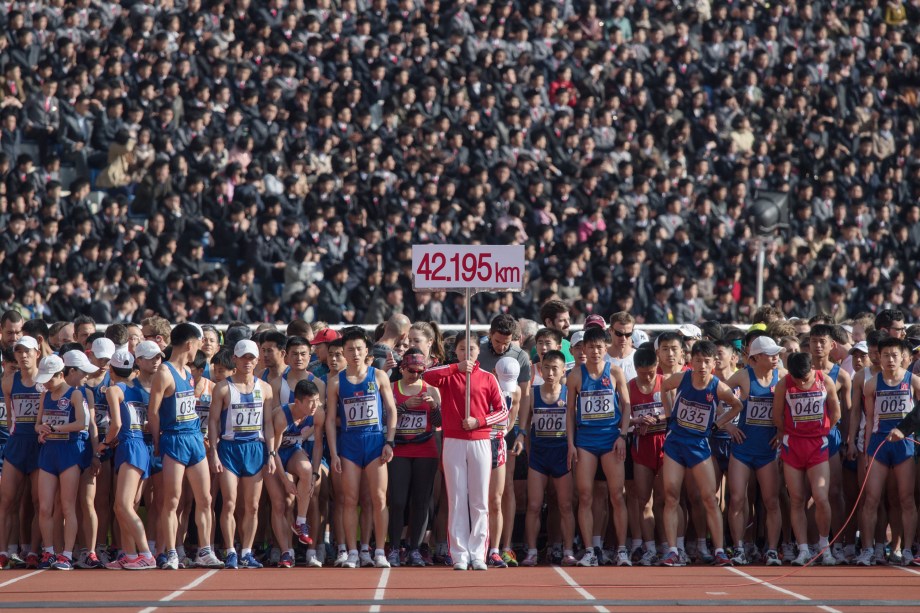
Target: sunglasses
{"x": 622, "y": 334}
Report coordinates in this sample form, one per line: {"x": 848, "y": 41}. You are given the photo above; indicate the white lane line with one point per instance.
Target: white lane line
{"x": 906, "y": 570}
{"x": 381, "y": 588}
{"x": 781, "y": 590}
{"x": 182, "y": 590}
{"x": 19, "y": 578}
{"x": 582, "y": 591}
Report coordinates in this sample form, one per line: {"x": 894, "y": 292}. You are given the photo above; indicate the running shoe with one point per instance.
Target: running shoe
{"x": 351, "y": 561}
{"x": 16, "y": 561}
{"x": 4, "y": 560}
{"x": 274, "y": 556}
{"x": 32, "y": 560}
{"x": 303, "y": 533}
{"x": 341, "y": 558}
{"x": 119, "y": 562}
{"x": 140, "y": 563}
{"x": 161, "y": 560}
{"x": 896, "y": 558}
{"x": 461, "y": 566}
{"x": 62, "y": 562}
{"x": 649, "y": 558}
{"x": 530, "y": 560}
{"x": 393, "y": 558}
{"x": 102, "y": 553}
{"x": 425, "y": 551}
{"x": 186, "y": 562}
{"x": 509, "y": 558}
{"x": 495, "y": 561}
{"x": 684, "y": 558}
{"x": 589, "y": 558}
{"x": 907, "y": 558}
{"x": 478, "y": 565}
{"x": 416, "y": 559}
{"x": 232, "y": 561}
{"x": 720, "y": 559}
{"x": 827, "y": 558}
{"x": 249, "y": 561}
{"x": 672, "y": 558}
{"x": 772, "y": 559}
{"x": 555, "y": 555}
{"x": 47, "y": 560}
{"x": 840, "y": 556}
{"x": 705, "y": 556}
{"x": 801, "y": 559}
{"x": 788, "y": 552}
{"x": 568, "y": 560}
{"x": 740, "y": 559}
{"x": 623, "y": 557}
{"x": 208, "y": 560}
{"x": 286, "y": 561}
{"x": 365, "y": 559}
{"x": 605, "y": 557}
{"x": 636, "y": 555}
{"x": 312, "y": 560}
{"x": 381, "y": 561}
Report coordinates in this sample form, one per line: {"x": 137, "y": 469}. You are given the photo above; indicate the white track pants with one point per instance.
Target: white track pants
{"x": 467, "y": 469}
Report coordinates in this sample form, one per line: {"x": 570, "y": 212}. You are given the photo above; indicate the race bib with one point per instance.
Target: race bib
{"x": 652, "y": 409}
{"x": 892, "y": 404}
{"x": 203, "y": 408}
{"x": 57, "y": 417}
{"x": 291, "y": 440}
{"x": 759, "y": 411}
{"x": 3, "y": 421}
{"x": 694, "y": 416}
{"x": 102, "y": 419}
{"x": 246, "y": 417}
{"x": 549, "y": 422}
{"x": 185, "y": 406}
{"x": 25, "y": 407}
{"x": 361, "y": 411}
{"x": 806, "y": 407}
{"x": 137, "y": 411}
{"x": 597, "y": 405}
{"x": 412, "y": 423}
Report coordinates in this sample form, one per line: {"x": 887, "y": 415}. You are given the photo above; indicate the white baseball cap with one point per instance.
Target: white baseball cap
{"x": 577, "y": 338}
{"x": 507, "y": 371}
{"x": 147, "y": 350}
{"x": 861, "y": 346}
{"x": 246, "y": 347}
{"x": 103, "y": 348}
{"x": 690, "y": 331}
{"x": 48, "y": 367}
{"x": 639, "y": 337}
{"x": 764, "y": 344}
{"x": 78, "y": 359}
{"x": 122, "y": 359}
{"x": 28, "y": 342}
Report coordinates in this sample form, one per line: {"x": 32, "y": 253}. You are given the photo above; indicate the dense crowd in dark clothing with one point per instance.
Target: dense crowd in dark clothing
{"x": 218, "y": 160}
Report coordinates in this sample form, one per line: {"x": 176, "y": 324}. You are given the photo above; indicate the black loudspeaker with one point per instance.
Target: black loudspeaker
{"x": 769, "y": 213}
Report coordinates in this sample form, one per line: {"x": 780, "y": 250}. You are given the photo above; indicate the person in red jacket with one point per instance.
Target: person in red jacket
{"x": 467, "y": 451}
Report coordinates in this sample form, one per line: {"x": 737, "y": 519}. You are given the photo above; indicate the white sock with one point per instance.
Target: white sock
{"x": 300, "y": 520}
{"x": 493, "y": 550}
{"x": 680, "y": 542}
{"x": 597, "y": 541}
{"x": 365, "y": 548}
{"x": 720, "y": 550}
{"x": 531, "y": 552}
{"x": 48, "y": 550}
{"x": 245, "y": 552}
{"x": 342, "y": 548}
{"x": 181, "y": 551}
{"x": 635, "y": 544}
{"x": 803, "y": 549}
{"x": 379, "y": 552}
{"x": 13, "y": 549}
{"x": 701, "y": 545}
{"x": 230, "y": 550}
{"x": 650, "y": 546}
{"x": 147, "y": 555}
{"x": 822, "y": 542}
{"x": 568, "y": 552}
{"x": 353, "y": 552}
{"x": 68, "y": 555}
{"x": 310, "y": 552}
{"x": 673, "y": 550}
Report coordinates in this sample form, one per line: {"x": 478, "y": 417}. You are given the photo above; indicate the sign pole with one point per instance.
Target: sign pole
{"x": 469, "y": 294}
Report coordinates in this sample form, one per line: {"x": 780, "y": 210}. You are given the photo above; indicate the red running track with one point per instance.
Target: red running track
{"x": 544, "y": 589}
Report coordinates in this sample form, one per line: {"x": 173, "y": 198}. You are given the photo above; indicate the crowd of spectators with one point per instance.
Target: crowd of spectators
{"x": 218, "y": 160}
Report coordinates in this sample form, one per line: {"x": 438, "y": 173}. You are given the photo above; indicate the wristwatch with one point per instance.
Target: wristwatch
{"x": 272, "y": 453}
{"x": 392, "y": 444}
{"x": 316, "y": 476}
{"x": 624, "y": 435}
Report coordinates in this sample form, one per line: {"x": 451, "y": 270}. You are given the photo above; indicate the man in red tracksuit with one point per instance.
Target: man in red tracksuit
{"x": 467, "y": 453}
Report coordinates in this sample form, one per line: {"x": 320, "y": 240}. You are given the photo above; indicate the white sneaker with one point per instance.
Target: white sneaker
{"x": 788, "y": 552}
{"x": 380, "y": 561}
{"x": 351, "y": 561}
{"x": 461, "y": 566}
{"x": 208, "y": 560}
{"x": 865, "y": 557}
{"x": 314, "y": 562}
{"x": 341, "y": 558}
{"x": 801, "y": 559}
{"x": 172, "y": 562}
{"x": 740, "y": 559}
{"x": 365, "y": 559}
{"x": 623, "y": 558}
{"x": 605, "y": 557}
{"x": 684, "y": 558}
{"x": 839, "y": 556}
{"x": 827, "y": 558}
{"x": 588, "y": 559}
{"x": 479, "y": 565}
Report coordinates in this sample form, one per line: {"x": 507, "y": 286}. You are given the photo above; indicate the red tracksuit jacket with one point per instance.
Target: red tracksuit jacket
{"x": 486, "y": 401}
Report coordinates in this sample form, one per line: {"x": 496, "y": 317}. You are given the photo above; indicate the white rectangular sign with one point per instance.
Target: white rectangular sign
{"x": 477, "y": 267}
